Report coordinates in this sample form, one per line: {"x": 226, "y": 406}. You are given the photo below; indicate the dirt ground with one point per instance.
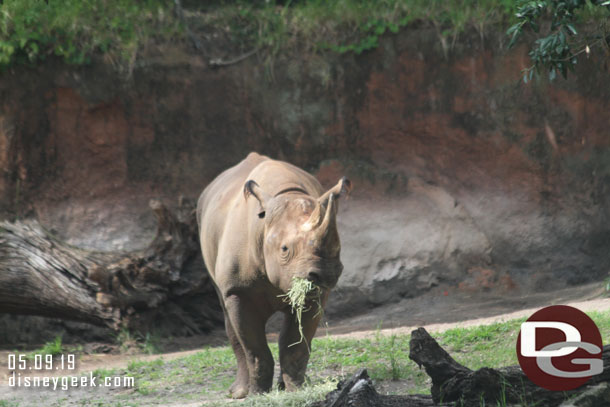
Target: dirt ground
{"x": 435, "y": 314}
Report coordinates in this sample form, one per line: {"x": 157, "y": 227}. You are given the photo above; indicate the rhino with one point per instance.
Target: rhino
{"x": 262, "y": 223}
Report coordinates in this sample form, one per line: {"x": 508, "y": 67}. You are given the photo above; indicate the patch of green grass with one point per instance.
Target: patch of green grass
{"x": 103, "y": 373}
{"x": 602, "y": 320}
{"x": 54, "y": 347}
{"x": 207, "y": 375}
{"x": 9, "y": 403}
{"x": 303, "y": 397}
{"x": 487, "y": 345}
{"x": 386, "y": 357}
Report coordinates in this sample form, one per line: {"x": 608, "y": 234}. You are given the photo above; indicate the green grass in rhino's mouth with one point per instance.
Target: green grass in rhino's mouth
{"x": 300, "y": 291}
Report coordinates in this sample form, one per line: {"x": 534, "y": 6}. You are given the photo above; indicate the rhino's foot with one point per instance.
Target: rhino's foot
{"x": 238, "y": 390}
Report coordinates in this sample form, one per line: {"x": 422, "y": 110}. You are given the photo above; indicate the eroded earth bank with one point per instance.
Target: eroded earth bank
{"x": 468, "y": 184}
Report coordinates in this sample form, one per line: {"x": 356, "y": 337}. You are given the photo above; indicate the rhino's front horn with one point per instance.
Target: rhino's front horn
{"x": 330, "y": 216}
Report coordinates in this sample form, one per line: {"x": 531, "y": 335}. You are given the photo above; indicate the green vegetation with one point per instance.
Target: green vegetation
{"x": 75, "y": 30}
{"x": 148, "y": 343}
{"x": 54, "y": 347}
{"x": 559, "y": 46}
{"x": 120, "y": 30}
{"x": 349, "y": 25}
{"x": 208, "y": 374}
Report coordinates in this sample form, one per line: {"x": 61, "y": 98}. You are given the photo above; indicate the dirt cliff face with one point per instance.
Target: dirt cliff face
{"x": 465, "y": 179}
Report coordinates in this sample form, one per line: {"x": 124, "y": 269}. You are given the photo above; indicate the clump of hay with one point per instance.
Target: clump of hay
{"x": 297, "y": 296}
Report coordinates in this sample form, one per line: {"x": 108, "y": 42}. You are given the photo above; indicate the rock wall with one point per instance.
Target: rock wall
{"x": 466, "y": 180}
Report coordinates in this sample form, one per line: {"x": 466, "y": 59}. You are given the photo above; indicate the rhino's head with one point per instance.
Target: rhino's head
{"x": 300, "y": 236}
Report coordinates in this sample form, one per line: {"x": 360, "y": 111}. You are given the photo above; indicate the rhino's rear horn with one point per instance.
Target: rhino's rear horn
{"x": 330, "y": 215}
{"x": 326, "y": 207}
{"x": 252, "y": 188}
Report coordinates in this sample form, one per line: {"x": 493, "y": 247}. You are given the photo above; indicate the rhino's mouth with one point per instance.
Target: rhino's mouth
{"x": 301, "y": 292}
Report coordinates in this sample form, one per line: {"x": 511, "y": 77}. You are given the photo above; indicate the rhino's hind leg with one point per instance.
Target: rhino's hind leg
{"x": 249, "y": 327}
{"x": 293, "y": 359}
{"x": 239, "y": 388}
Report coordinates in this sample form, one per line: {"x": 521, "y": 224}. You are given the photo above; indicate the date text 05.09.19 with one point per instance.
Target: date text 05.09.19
{"x": 39, "y": 361}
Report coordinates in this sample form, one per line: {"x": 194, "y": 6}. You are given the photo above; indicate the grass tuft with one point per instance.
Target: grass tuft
{"x": 302, "y": 397}
{"x": 54, "y": 347}
{"x": 297, "y": 296}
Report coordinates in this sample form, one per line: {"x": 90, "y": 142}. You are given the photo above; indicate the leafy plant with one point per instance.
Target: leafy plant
{"x": 557, "y": 50}
{"x": 74, "y": 30}
{"x": 370, "y": 33}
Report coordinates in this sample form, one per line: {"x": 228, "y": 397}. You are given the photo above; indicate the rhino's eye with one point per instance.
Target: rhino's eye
{"x": 284, "y": 248}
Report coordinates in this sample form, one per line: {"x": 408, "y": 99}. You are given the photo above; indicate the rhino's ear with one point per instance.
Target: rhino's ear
{"x": 343, "y": 188}
{"x": 252, "y": 188}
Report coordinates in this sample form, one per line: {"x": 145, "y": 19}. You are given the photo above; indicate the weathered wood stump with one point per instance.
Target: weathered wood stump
{"x": 164, "y": 287}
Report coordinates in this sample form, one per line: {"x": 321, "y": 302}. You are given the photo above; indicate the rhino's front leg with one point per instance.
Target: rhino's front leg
{"x": 293, "y": 359}
{"x": 239, "y": 388}
{"x": 249, "y": 325}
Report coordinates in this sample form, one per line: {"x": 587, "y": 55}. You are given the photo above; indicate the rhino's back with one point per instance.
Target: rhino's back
{"x": 216, "y": 196}
{"x": 215, "y": 202}
{"x": 224, "y": 197}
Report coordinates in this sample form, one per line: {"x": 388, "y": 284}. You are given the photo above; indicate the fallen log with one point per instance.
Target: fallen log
{"x": 163, "y": 288}
{"x": 458, "y": 386}
{"x": 452, "y": 382}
